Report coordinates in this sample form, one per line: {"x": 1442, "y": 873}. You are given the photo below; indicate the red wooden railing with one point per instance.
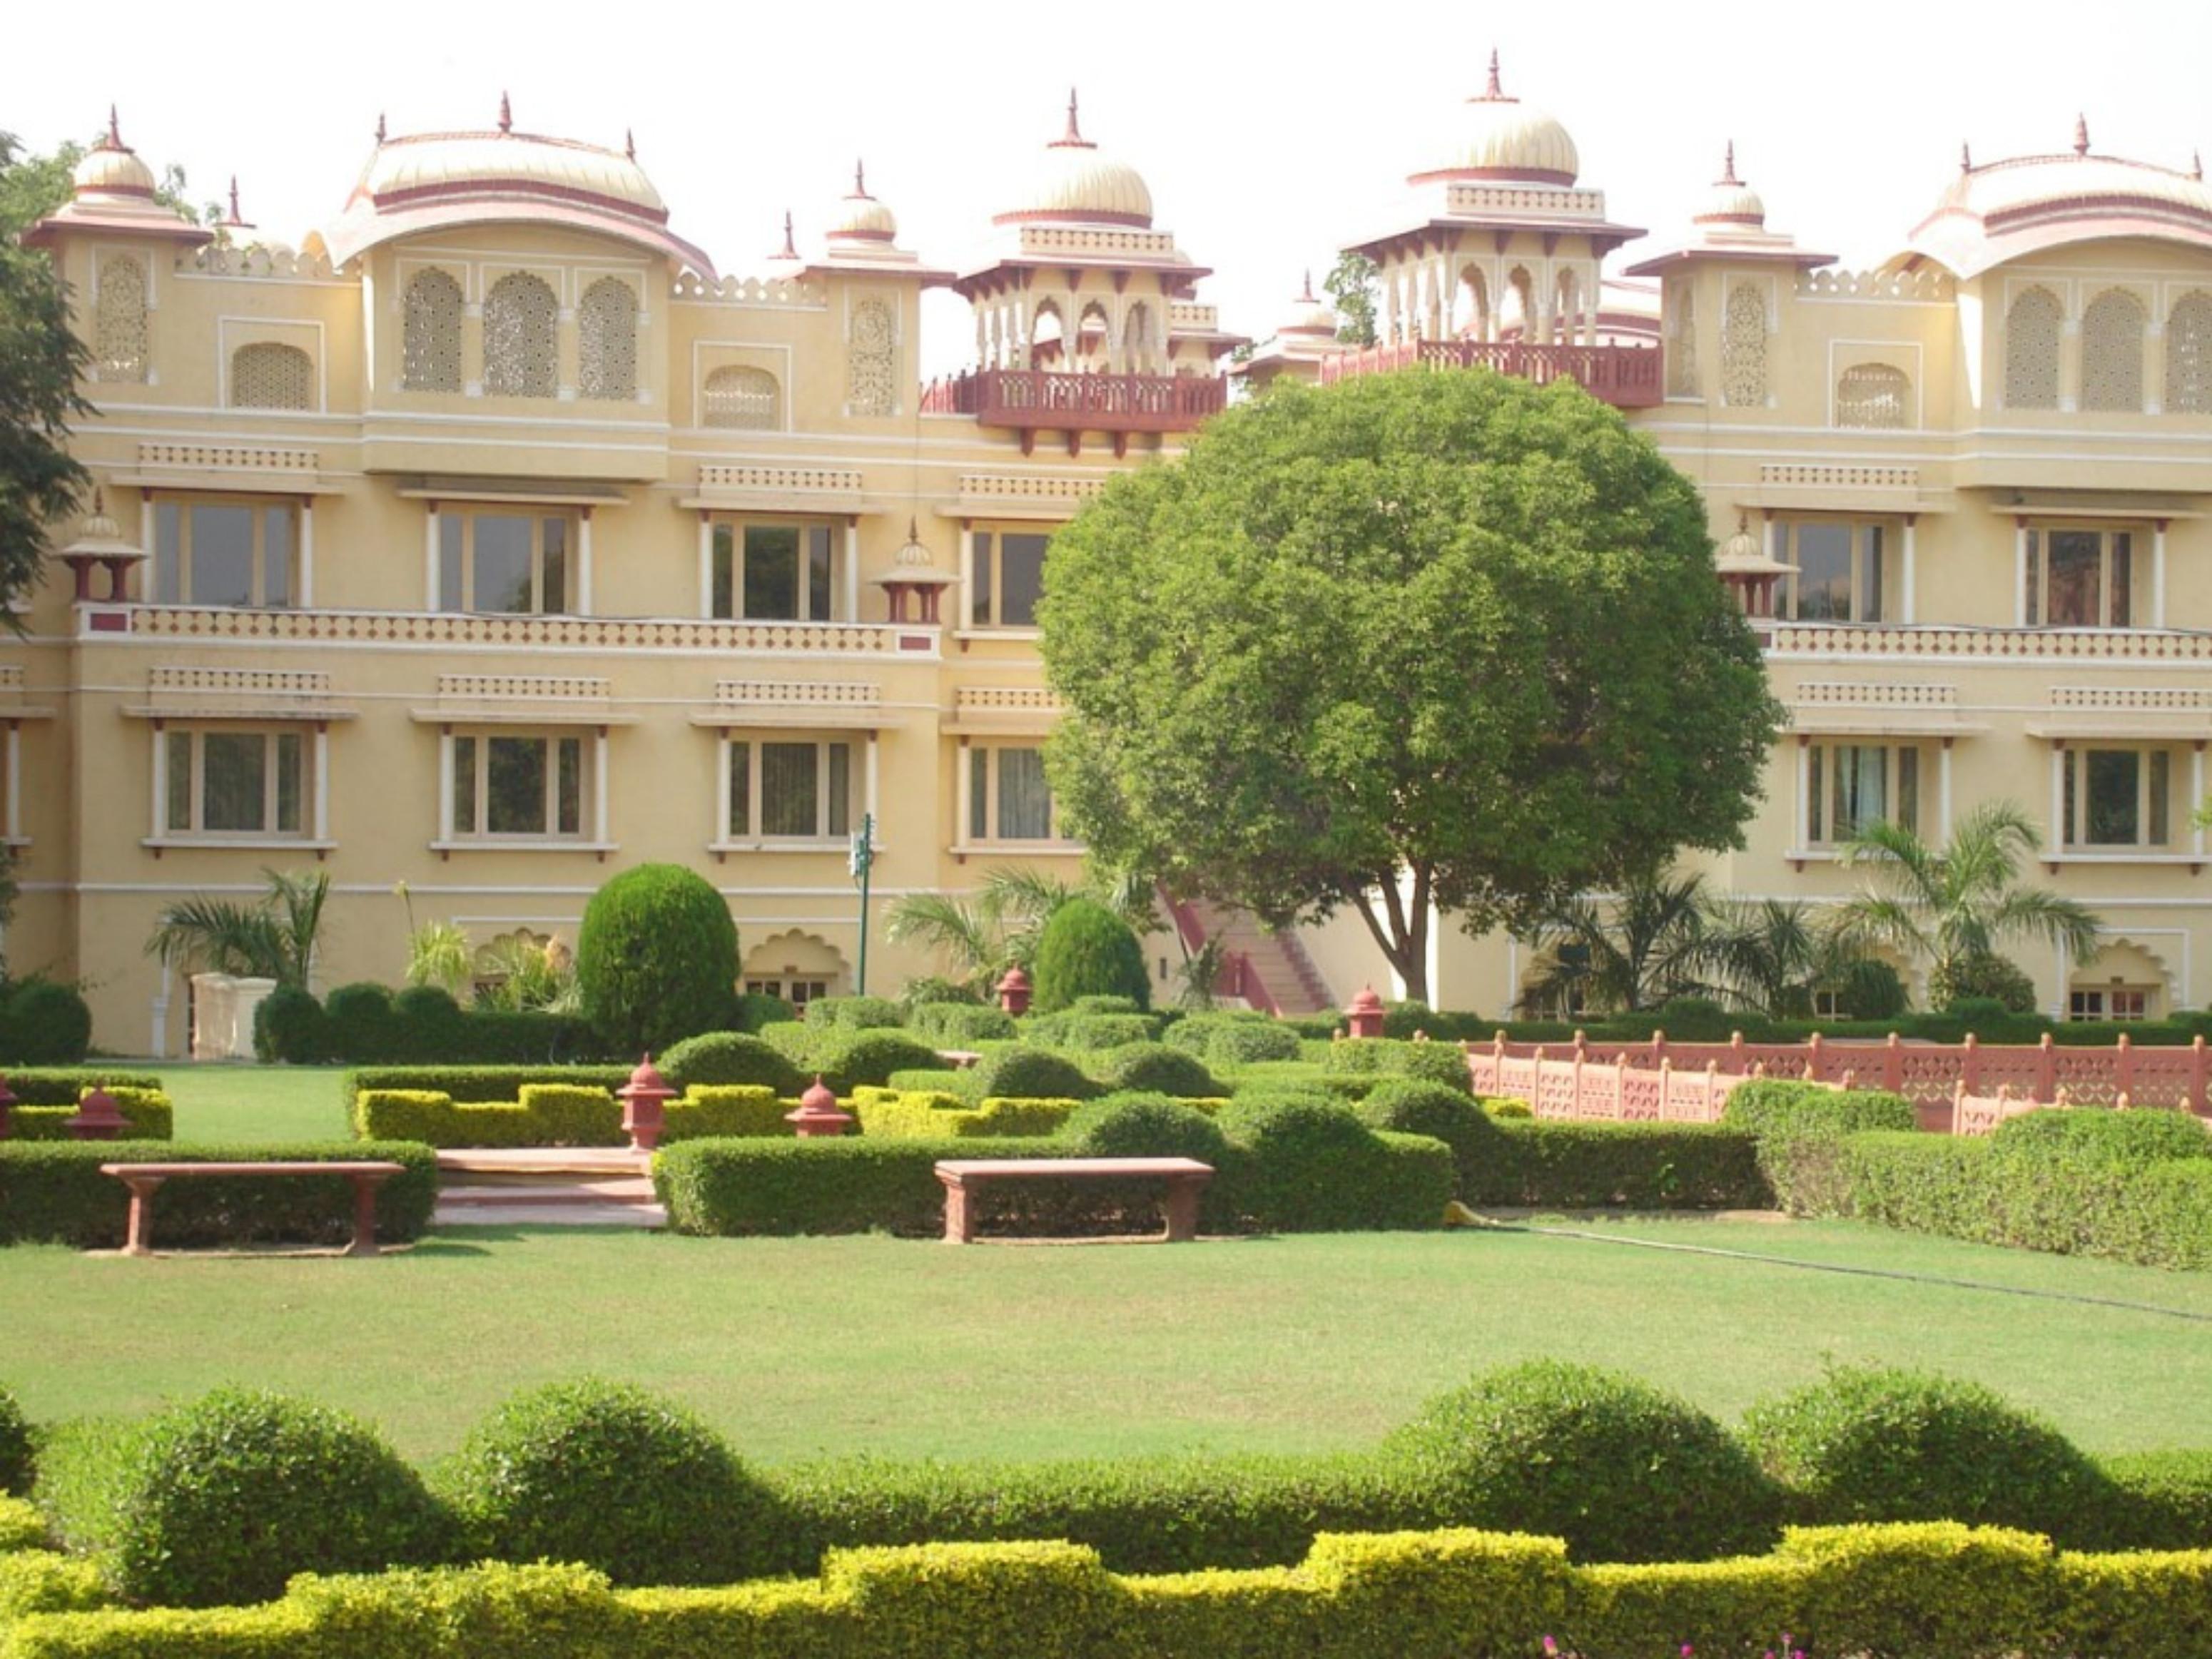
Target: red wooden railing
{"x": 1035, "y": 399}
{"x": 1627, "y": 377}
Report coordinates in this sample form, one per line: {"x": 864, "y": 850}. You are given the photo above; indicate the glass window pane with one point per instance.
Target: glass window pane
{"x": 1869, "y": 607}
{"x": 979, "y": 605}
{"x": 841, "y": 788}
{"x": 287, "y": 782}
{"x": 222, "y": 555}
{"x": 2160, "y": 774}
{"x": 1908, "y": 789}
{"x": 2123, "y": 583}
{"x": 2115, "y": 812}
{"x": 514, "y": 785}
{"x": 501, "y": 550}
{"x": 276, "y": 556}
{"x": 235, "y": 779}
{"x": 979, "y": 794}
{"x": 1823, "y": 582}
{"x": 772, "y": 572}
{"x": 168, "y": 554}
{"x": 724, "y": 572}
{"x": 179, "y": 814}
{"x": 553, "y": 589}
{"x": 2074, "y": 558}
{"x": 466, "y": 821}
{"x": 1861, "y": 787}
{"x": 817, "y": 572}
{"x": 2035, "y": 580}
{"x": 1024, "y": 803}
{"x": 741, "y": 790}
{"x": 569, "y": 795}
{"x": 1021, "y": 579}
{"x": 788, "y": 795}
{"x": 453, "y": 531}
{"x": 1814, "y": 817}
{"x": 2066, "y": 815}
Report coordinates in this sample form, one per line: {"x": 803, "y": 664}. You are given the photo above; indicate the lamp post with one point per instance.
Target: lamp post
{"x": 862, "y": 859}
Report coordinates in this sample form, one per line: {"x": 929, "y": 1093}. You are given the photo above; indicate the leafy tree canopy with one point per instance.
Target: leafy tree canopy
{"x": 1351, "y": 288}
{"x": 1444, "y": 627}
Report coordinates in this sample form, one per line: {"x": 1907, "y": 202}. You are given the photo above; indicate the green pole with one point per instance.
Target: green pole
{"x": 863, "y": 860}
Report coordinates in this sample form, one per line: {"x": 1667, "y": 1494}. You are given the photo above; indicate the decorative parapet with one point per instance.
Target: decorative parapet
{"x": 446, "y": 630}
{"x": 1895, "y": 694}
{"x": 262, "y": 260}
{"x": 1861, "y": 641}
{"x": 998, "y": 494}
{"x": 784, "y": 293}
{"x": 2138, "y": 699}
{"x": 1002, "y": 711}
{"x": 205, "y": 692}
{"x": 532, "y": 687}
{"x": 1923, "y": 287}
{"x": 820, "y": 694}
{"x": 1790, "y": 476}
{"x": 225, "y": 458}
{"x": 855, "y": 705}
{"x": 1091, "y": 244}
{"x": 1189, "y": 317}
{"x": 1468, "y": 201}
{"x": 783, "y": 480}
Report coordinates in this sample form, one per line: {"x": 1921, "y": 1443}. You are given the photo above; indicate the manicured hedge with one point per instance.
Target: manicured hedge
{"x": 960, "y": 1025}
{"x": 730, "y": 1058}
{"x": 34, "y": 1087}
{"x": 478, "y": 1084}
{"x": 856, "y": 1013}
{"x": 146, "y": 1111}
{"x": 54, "y": 1192}
{"x": 1235, "y": 1039}
{"x": 849, "y": 1060}
{"x": 43, "y": 1022}
{"x": 1907, "y": 1592}
{"x": 15, "y": 1463}
{"x": 559, "y": 1114}
{"x": 921, "y": 1114}
{"x": 366, "y": 1024}
{"x": 1644, "y": 1166}
{"x": 1439, "y": 1062}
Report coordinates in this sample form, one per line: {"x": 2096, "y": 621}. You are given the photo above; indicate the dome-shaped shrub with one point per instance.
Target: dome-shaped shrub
{"x": 1620, "y": 1470}
{"x": 1250, "y": 1041}
{"x": 16, "y": 1465}
{"x": 960, "y": 1025}
{"x": 45, "y": 1024}
{"x": 856, "y": 1013}
{"x": 1867, "y": 1443}
{"x": 220, "y": 1501}
{"x": 725, "y": 1058}
{"x": 1032, "y": 1074}
{"x": 1417, "y": 1106}
{"x": 1132, "y": 1125}
{"x": 656, "y": 959}
{"x": 1085, "y": 950}
{"x": 607, "y": 1475}
{"x": 290, "y": 1026}
{"x": 1159, "y": 1069}
{"x": 2099, "y": 1135}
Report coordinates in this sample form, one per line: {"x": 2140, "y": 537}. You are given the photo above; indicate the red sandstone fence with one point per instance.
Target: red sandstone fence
{"x": 1574, "y": 1086}
{"x": 1930, "y": 1074}
{"x": 1979, "y": 1114}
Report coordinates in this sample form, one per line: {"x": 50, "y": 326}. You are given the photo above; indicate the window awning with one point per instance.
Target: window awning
{"x": 516, "y": 492}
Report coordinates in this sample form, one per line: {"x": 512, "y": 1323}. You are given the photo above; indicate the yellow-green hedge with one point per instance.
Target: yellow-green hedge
{"x": 933, "y": 1114}
{"x": 1934, "y": 1592}
{"x": 146, "y": 1111}
{"x": 562, "y": 1114}
{"x": 22, "y": 1526}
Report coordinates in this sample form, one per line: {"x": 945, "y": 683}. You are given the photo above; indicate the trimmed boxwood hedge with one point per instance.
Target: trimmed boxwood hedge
{"x": 1548, "y": 1164}
{"x": 960, "y": 1025}
{"x": 147, "y": 1112}
{"x": 15, "y": 1451}
{"x": 730, "y": 1058}
{"x": 849, "y": 1060}
{"x": 53, "y": 1192}
{"x": 559, "y": 1114}
{"x": 43, "y": 1022}
{"x": 478, "y": 1084}
{"x": 1159, "y": 1069}
{"x": 65, "y": 1086}
{"x": 1439, "y": 1062}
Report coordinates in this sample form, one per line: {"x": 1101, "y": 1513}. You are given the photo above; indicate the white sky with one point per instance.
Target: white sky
{"x": 1268, "y": 133}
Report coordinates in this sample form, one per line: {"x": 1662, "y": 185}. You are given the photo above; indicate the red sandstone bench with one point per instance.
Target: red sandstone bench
{"x": 1185, "y": 1179}
{"x": 144, "y": 1180}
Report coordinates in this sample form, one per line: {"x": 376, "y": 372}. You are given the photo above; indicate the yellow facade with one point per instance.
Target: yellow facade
{"x": 493, "y": 540}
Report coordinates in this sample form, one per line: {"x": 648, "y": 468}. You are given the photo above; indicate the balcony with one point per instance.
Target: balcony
{"x": 1627, "y": 377}
{"x": 1031, "y": 401}
{"x": 1908, "y": 642}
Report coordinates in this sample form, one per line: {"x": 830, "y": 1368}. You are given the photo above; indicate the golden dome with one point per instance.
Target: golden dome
{"x": 111, "y": 167}
{"x": 1308, "y": 316}
{"x": 426, "y": 167}
{"x": 1733, "y": 201}
{"x": 1501, "y": 139}
{"x": 860, "y": 217}
{"x": 1078, "y": 184}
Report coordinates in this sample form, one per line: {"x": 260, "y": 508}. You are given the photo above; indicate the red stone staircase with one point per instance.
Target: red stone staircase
{"x": 1271, "y": 971}
{"x": 546, "y": 1187}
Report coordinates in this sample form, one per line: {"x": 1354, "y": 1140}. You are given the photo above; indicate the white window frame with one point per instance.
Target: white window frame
{"x": 464, "y": 516}
{"x": 260, "y": 507}
{"x": 1818, "y": 799}
{"x": 2034, "y": 574}
{"x": 735, "y": 526}
{"x": 312, "y": 831}
{"x": 970, "y": 801}
{"x": 2100, "y": 1004}
{"x": 1870, "y": 544}
{"x": 2154, "y": 836}
{"x": 464, "y": 825}
{"x": 987, "y": 592}
{"x": 748, "y": 836}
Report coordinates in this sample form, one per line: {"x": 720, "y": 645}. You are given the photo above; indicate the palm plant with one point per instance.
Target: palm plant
{"x": 981, "y": 938}
{"x": 1958, "y": 906}
{"x": 1641, "y": 948}
{"x": 273, "y": 938}
{"x": 438, "y": 954}
{"x": 1198, "y": 973}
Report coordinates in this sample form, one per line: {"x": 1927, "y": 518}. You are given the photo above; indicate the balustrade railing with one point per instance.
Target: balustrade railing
{"x": 1090, "y": 403}
{"x": 1627, "y": 377}
{"x": 1903, "y": 642}
{"x": 1574, "y": 1086}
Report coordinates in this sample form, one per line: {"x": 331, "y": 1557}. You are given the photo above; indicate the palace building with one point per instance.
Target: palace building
{"x": 494, "y": 539}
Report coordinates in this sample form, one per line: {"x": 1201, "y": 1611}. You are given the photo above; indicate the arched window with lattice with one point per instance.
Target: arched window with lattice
{"x": 2031, "y": 351}
{"x": 2112, "y": 353}
{"x": 1743, "y": 347}
{"x": 430, "y": 342}
{"x": 2189, "y": 356}
{"x": 748, "y": 399}
{"x": 520, "y": 316}
{"x": 606, "y": 341}
{"x": 1874, "y": 395}
{"x": 872, "y": 357}
{"x": 1682, "y": 304}
{"x": 269, "y": 375}
{"x": 121, "y": 349}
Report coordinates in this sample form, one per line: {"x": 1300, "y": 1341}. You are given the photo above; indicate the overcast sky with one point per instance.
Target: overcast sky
{"x": 1268, "y": 133}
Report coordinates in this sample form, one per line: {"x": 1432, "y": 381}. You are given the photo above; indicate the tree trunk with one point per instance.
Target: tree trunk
{"x": 1400, "y": 930}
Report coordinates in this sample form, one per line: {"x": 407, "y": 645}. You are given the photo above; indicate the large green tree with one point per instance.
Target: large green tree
{"x": 1436, "y": 637}
{"x": 41, "y": 361}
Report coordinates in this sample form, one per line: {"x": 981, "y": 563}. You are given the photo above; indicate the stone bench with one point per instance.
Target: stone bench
{"x": 1185, "y": 1178}
{"x": 144, "y": 1180}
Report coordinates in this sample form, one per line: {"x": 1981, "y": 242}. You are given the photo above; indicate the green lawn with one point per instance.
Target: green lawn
{"x": 257, "y": 1104}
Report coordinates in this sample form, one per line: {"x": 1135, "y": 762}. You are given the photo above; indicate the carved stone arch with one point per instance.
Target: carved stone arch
{"x": 2188, "y": 354}
{"x": 270, "y": 375}
{"x": 1517, "y": 313}
{"x": 2132, "y": 964}
{"x": 1471, "y": 310}
{"x": 430, "y": 332}
{"x": 1566, "y": 303}
{"x": 744, "y": 398}
{"x": 2113, "y": 329}
{"x": 1140, "y": 343}
{"x": 1047, "y": 335}
{"x": 2032, "y": 328}
{"x": 795, "y": 954}
{"x": 1874, "y": 395}
{"x": 606, "y": 342}
{"x": 521, "y": 320}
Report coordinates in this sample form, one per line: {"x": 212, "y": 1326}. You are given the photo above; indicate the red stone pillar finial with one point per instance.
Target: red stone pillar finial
{"x": 1494, "y": 93}
{"x": 1363, "y": 1015}
{"x": 505, "y": 114}
{"x": 819, "y": 1114}
{"x": 1014, "y": 992}
{"x": 645, "y": 1099}
{"x": 98, "y": 1116}
{"x": 2081, "y": 135}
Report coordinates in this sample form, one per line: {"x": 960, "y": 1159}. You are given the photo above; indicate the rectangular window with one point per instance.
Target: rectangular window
{"x": 1008, "y": 575}
{"x": 529, "y": 787}
{"x": 2080, "y": 578}
{"x": 796, "y": 992}
{"x": 2117, "y": 1003}
{"x": 1851, "y": 786}
{"x": 1008, "y": 798}
{"x": 2117, "y": 797}
{"x": 775, "y": 572}
{"x": 226, "y": 781}
{"x": 1837, "y": 571}
{"x": 224, "y": 553}
{"x": 503, "y": 563}
{"x": 790, "y": 790}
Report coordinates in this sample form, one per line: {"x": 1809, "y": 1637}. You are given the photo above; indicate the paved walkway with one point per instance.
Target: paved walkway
{"x": 546, "y": 1187}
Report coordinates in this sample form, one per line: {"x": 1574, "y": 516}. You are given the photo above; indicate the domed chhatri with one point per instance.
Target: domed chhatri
{"x": 113, "y": 190}
{"x": 111, "y": 167}
{"x": 1499, "y": 139}
{"x": 860, "y": 217}
{"x": 1308, "y": 316}
{"x": 1733, "y": 201}
{"x": 1078, "y": 184}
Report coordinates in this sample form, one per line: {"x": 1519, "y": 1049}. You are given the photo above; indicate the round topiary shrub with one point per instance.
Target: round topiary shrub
{"x": 1093, "y": 1032}
{"x": 1032, "y": 1074}
{"x": 1085, "y": 950}
{"x": 15, "y": 1464}
{"x": 359, "y": 1024}
{"x": 2099, "y": 1135}
{"x": 755, "y": 1009}
{"x": 1417, "y": 1106}
{"x": 1985, "y": 977}
{"x": 1156, "y": 1067}
{"x": 1134, "y": 1125}
{"x": 960, "y": 1025}
{"x": 290, "y": 1026}
{"x": 1107, "y": 1004}
{"x": 1249, "y": 1042}
{"x": 724, "y": 1058}
{"x": 607, "y": 1475}
{"x": 1872, "y": 989}
{"x": 1866, "y": 1443}
{"x": 1620, "y": 1470}
{"x": 1310, "y": 1159}
{"x": 220, "y": 1501}
{"x": 656, "y": 959}
{"x": 856, "y": 1013}
{"x": 45, "y": 1024}
{"x": 1778, "y": 1106}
